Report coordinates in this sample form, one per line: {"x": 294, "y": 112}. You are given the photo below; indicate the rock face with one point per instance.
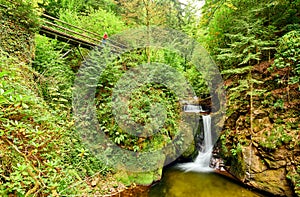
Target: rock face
{"x": 260, "y": 142}
{"x": 267, "y": 172}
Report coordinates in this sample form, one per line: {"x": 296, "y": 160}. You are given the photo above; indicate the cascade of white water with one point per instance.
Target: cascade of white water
{"x": 193, "y": 108}
{"x": 207, "y": 132}
{"x": 201, "y": 163}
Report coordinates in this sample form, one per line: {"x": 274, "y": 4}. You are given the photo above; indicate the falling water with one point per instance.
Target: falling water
{"x": 201, "y": 163}
{"x": 193, "y": 108}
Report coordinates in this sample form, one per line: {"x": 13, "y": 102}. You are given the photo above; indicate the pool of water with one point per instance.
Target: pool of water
{"x": 176, "y": 183}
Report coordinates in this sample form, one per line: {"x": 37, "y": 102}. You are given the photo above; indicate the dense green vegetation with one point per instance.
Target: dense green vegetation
{"x": 39, "y": 149}
{"x": 256, "y": 45}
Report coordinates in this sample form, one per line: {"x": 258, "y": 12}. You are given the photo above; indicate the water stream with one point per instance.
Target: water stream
{"x": 201, "y": 163}
{"x": 197, "y": 179}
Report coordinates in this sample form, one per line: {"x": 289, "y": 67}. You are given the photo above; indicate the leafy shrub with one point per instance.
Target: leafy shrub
{"x": 97, "y": 21}
{"x": 139, "y": 110}
{"x": 56, "y": 77}
{"x": 276, "y": 138}
{"x": 288, "y": 56}
{"x": 19, "y": 19}
{"x": 23, "y": 12}
{"x": 39, "y": 151}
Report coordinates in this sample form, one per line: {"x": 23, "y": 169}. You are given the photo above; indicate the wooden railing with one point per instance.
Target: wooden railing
{"x": 77, "y": 36}
{"x": 73, "y": 35}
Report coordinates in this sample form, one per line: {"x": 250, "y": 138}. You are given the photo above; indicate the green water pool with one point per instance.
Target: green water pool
{"x": 176, "y": 183}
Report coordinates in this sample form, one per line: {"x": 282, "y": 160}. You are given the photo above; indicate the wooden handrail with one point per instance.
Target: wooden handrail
{"x": 69, "y": 30}
{"x": 53, "y": 33}
{"x": 55, "y": 19}
{"x": 76, "y": 41}
{"x": 93, "y": 33}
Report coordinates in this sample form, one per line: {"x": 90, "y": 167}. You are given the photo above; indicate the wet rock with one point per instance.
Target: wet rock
{"x": 259, "y": 114}
{"x": 267, "y": 170}
{"x": 271, "y": 171}
{"x": 217, "y": 164}
{"x": 275, "y": 164}
{"x": 261, "y": 124}
{"x": 273, "y": 181}
{"x": 190, "y": 151}
{"x": 253, "y": 160}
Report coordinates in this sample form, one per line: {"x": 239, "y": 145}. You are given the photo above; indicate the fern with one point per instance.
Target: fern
{"x": 238, "y": 71}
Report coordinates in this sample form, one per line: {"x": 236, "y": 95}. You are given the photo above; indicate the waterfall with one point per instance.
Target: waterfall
{"x": 207, "y": 132}
{"x": 193, "y": 108}
{"x": 201, "y": 163}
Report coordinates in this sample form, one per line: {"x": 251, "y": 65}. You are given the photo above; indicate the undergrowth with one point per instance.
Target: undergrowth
{"x": 40, "y": 153}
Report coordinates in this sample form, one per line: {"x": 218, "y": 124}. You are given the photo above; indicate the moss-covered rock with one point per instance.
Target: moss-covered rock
{"x": 145, "y": 178}
{"x": 138, "y": 178}
{"x": 190, "y": 151}
{"x": 122, "y": 176}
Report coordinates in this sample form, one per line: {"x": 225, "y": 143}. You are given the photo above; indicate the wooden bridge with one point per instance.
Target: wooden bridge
{"x": 64, "y": 34}
{"x": 78, "y": 37}
{"x": 52, "y": 28}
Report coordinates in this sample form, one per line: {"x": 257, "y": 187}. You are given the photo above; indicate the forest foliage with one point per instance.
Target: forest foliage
{"x": 255, "y": 44}
{"x": 41, "y": 152}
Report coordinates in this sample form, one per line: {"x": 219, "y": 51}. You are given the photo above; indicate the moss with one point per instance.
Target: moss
{"x": 190, "y": 151}
{"x": 123, "y": 178}
{"x": 238, "y": 167}
{"x": 138, "y": 178}
{"x": 143, "y": 178}
{"x": 294, "y": 177}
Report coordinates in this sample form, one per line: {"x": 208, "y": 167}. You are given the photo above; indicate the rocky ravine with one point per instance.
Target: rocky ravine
{"x": 260, "y": 144}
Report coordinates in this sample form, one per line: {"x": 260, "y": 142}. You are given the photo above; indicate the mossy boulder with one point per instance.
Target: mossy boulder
{"x": 139, "y": 178}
